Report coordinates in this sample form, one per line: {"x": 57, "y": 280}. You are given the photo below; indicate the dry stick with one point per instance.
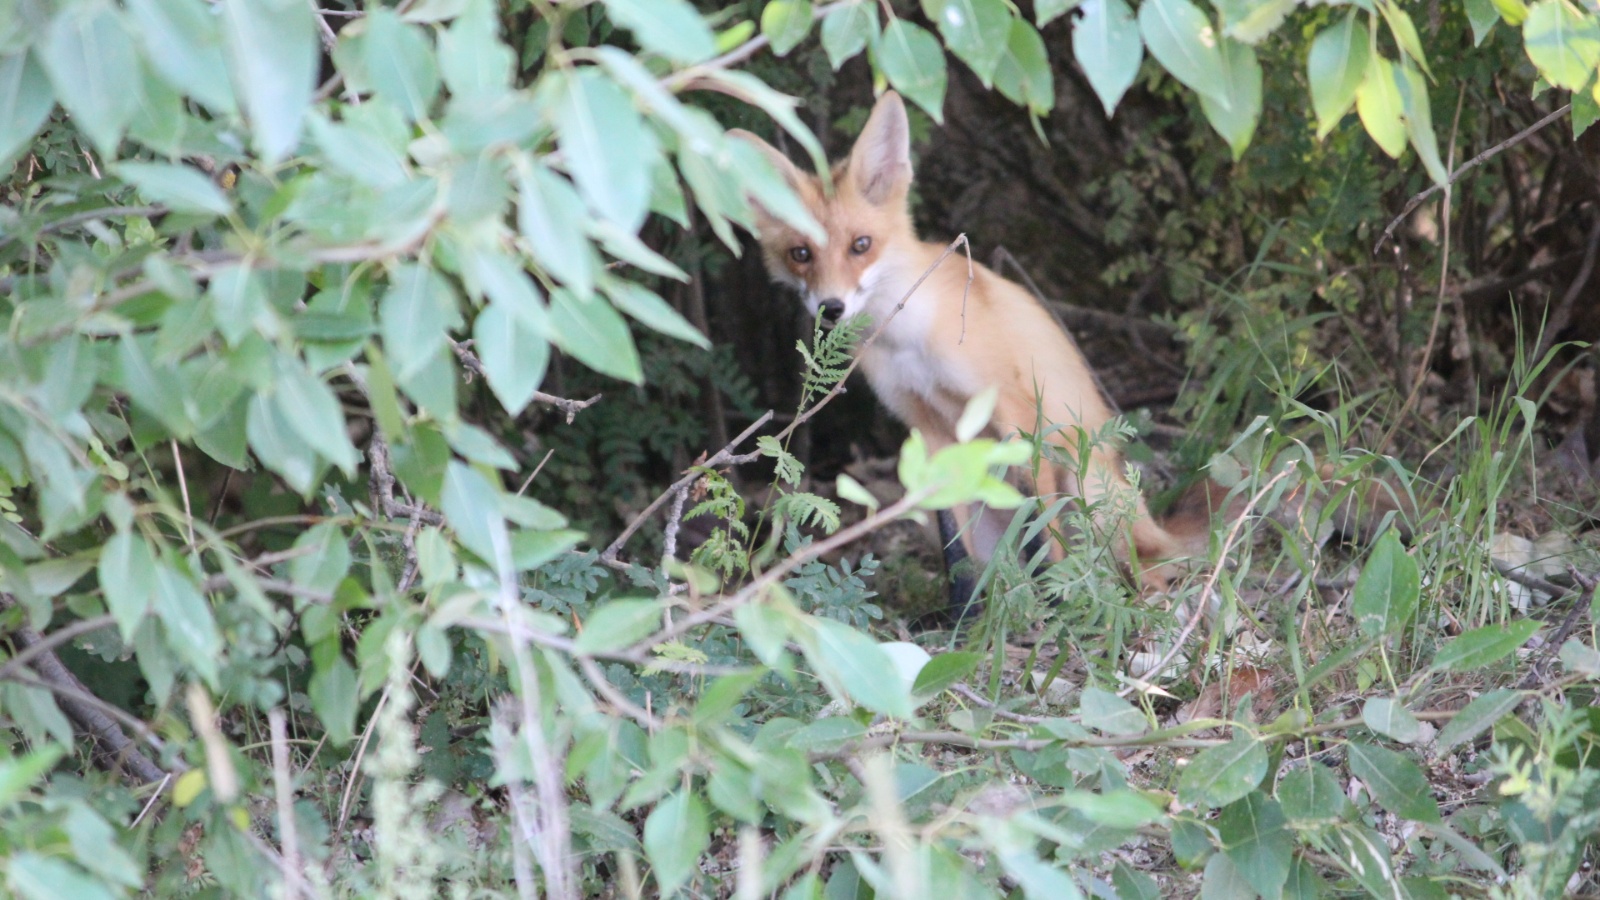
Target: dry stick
{"x": 1466, "y": 167}
{"x": 48, "y": 643}
{"x": 183, "y": 490}
{"x": 1558, "y": 320}
{"x": 1203, "y": 599}
{"x": 283, "y": 784}
{"x": 674, "y": 522}
{"x": 91, "y": 714}
{"x": 722, "y": 457}
{"x": 725, "y": 455}
{"x": 772, "y": 575}
{"x": 570, "y": 407}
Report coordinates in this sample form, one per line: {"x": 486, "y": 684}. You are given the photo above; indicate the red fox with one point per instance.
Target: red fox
{"x": 951, "y": 341}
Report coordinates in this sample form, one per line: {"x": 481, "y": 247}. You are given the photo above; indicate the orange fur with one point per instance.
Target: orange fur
{"x": 952, "y": 340}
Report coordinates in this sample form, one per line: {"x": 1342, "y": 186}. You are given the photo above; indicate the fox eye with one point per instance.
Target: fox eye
{"x": 800, "y": 254}
{"x": 861, "y": 245}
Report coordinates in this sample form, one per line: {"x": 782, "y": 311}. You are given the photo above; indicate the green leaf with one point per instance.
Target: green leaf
{"x": 1389, "y": 718}
{"x": 847, "y": 31}
{"x": 724, "y": 694}
{"x": 178, "y": 187}
{"x": 472, "y": 57}
{"x": 273, "y": 46}
{"x": 547, "y": 207}
{"x": 515, "y": 352}
{"x": 18, "y": 773}
{"x": 335, "y": 694}
{"x": 976, "y": 31}
{"x": 786, "y": 23}
{"x": 1379, "y": 105}
{"x": 1235, "y": 117}
{"x": 913, "y": 62}
{"x": 607, "y": 148}
{"x": 1038, "y": 879}
{"x": 1484, "y": 646}
{"x": 1256, "y": 839}
{"x": 89, "y": 55}
{"x": 1184, "y": 41}
{"x": 312, "y": 410}
{"x": 322, "y": 560}
{"x": 1258, "y": 20}
{"x": 671, "y": 28}
{"x": 128, "y": 578}
{"x": 1585, "y": 111}
{"x": 1220, "y": 775}
{"x": 1311, "y": 797}
{"x": 1562, "y": 41}
{"x": 1404, "y": 32}
{"x": 191, "y": 629}
{"x": 1386, "y": 592}
{"x": 36, "y": 877}
{"x": 1481, "y": 14}
{"x": 646, "y": 307}
{"x": 1023, "y": 74}
{"x": 1394, "y": 781}
{"x": 1047, "y": 11}
{"x": 1476, "y": 717}
{"x": 25, "y": 103}
{"x": 945, "y": 670}
{"x": 275, "y": 443}
{"x": 1335, "y": 66}
{"x": 1514, "y": 12}
{"x": 1123, "y": 808}
{"x": 1105, "y": 711}
{"x": 400, "y": 63}
{"x": 1419, "y": 121}
{"x": 855, "y": 666}
{"x": 183, "y": 43}
{"x": 594, "y": 334}
{"x": 1222, "y": 880}
{"x": 415, "y": 316}
{"x": 675, "y": 834}
{"x": 472, "y": 507}
{"x": 1106, "y": 43}
{"x": 617, "y": 624}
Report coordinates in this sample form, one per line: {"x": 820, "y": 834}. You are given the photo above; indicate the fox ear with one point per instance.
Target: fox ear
{"x": 880, "y": 162}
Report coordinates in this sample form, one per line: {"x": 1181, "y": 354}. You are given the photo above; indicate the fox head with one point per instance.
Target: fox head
{"x": 864, "y": 218}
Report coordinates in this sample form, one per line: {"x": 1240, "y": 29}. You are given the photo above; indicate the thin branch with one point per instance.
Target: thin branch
{"x": 684, "y": 77}
{"x": 1563, "y": 313}
{"x": 722, "y": 457}
{"x": 89, "y": 215}
{"x": 570, "y": 407}
{"x": 48, "y": 643}
{"x": 1466, "y": 167}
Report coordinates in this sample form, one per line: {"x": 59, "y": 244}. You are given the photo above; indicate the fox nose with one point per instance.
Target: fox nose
{"x": 832, "y": 309}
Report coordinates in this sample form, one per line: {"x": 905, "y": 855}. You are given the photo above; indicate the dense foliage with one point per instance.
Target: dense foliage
{"x": 348, "y": 354}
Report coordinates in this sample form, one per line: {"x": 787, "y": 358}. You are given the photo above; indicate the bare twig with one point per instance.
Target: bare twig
{"x": 674, "y": 522}
{"x": 1466, "y": 167}
{"x": 469, "y": 359}
{"x": 92, "y": 715}
{"x": 722, "y": 457}
{"x": 48, "y": 643}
